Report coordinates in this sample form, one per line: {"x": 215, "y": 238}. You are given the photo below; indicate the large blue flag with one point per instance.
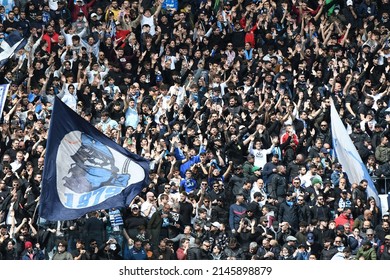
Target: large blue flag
{"x": 85, "y": 170}
{"x": 348, "y": 156}
{"x": 10, "y": 45}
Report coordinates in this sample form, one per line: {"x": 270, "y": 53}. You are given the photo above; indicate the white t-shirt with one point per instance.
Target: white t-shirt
{"x": 150, "y": 22}
{"x": 260, "y": 155}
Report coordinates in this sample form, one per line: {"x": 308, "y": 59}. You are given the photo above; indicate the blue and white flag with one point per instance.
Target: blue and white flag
{"x": 85, "y": 170}
{"x": 348, "y": 156}
{"x": 3, "y": 96}
{"x": 10, "y": 45}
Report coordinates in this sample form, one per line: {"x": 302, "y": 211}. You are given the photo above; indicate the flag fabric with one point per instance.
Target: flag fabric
{"x": 10, "y": 45}
{"x": 217, "y": 5}
{"x": 85, "y": 170}
{"x": 385, "y": 202}
{"x": 3, "y": 96}
{"x": 348, "y": 156}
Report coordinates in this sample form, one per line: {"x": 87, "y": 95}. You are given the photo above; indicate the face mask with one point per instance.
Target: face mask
{"x": 113, "y": 247}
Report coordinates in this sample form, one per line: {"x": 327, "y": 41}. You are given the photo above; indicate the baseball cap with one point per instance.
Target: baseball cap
{"x": 291, "y": 238}
{"x": 255, "y": 168}
{"x": 310, "y": 237}
{"x": 324, "y": 151}
{"x": 27, "y": 245}
{"x": 93, "y": 15}
{"x": 316, "y": 181}
{"x": 216, "y": 224}
{"x": 134, "y": 206}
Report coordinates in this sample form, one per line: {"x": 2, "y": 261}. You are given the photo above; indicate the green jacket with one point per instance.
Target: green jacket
{"x": 382, "y": 154}
{"x": 370, "y": 254}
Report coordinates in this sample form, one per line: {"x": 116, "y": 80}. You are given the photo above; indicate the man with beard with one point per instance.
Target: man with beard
{"x": 289, "y": 212}
{"x": 186, "y": 209}
{"x": 278, "y": 185}
{"x": 219, "y": 212}
{"x": 234, "y": 150}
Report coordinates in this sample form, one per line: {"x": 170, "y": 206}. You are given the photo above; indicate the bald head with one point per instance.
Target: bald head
{"x": 300, "y": 158}
{"x": 150, "y": 195}
{"x": 367, "y": 213}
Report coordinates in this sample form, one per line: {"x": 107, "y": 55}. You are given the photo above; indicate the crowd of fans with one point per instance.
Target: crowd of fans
{"x": 230, "y": 102}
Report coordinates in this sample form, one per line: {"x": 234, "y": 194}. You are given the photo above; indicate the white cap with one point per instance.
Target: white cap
{"x": 93, "y": 15}
{"x": 216, "y": 224}
{"x": 349, "y": 3}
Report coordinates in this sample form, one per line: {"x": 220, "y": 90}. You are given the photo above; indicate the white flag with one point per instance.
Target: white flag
{"x": 3, "y": 95}
{"x": 348, "y": 156}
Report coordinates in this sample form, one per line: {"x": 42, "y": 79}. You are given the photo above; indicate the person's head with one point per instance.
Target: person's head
{"x": 166, "y": 208}
{"x": 284, "y": 225}
{"x": 93, "y": 244}
{"x": 239, "y": 198}
{"x": 202, "y": 213}
{"x": 367, "y": 245}
{"x": 387, "y": 240}
{"x": 266, "y": 243}
{"x": 347, "y": 212}
{"x": 275, "y": 159}
{"x": 162, "y": 245}
{"x": 206, "y": 245}
{"x": 232, "y": 242}
{"x": 61, "y": 246}
{"x": 338, "y": 241}
{"x": 150, "y": 196}
{"x": 370, "y": 234}
{"x": 134, "y": 209}
{"x": 320, "y": 200}
{"x": 187, "y": 230}
{"x": 183, "y": 196}
{"x": 184, "y": 242}
{"x": 291, "y": 240}
{"x": 80, "y": 245}
{"x": 367, "y": 214}
{"x": 366, "y": 226}
{"x": 327, "y": 242}
{"x": 10, "y": 244}
{"x": 138, "y": 244}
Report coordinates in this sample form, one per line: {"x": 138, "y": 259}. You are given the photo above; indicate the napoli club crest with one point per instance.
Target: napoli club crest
{"x": 89, "y": 172}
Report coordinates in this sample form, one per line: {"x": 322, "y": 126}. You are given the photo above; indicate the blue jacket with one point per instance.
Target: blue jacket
{"x": 170, "y": 4}
{"x": 236, "y": 212}
{"x": 135, "y": 254}
{"x": 195, "y": 159}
